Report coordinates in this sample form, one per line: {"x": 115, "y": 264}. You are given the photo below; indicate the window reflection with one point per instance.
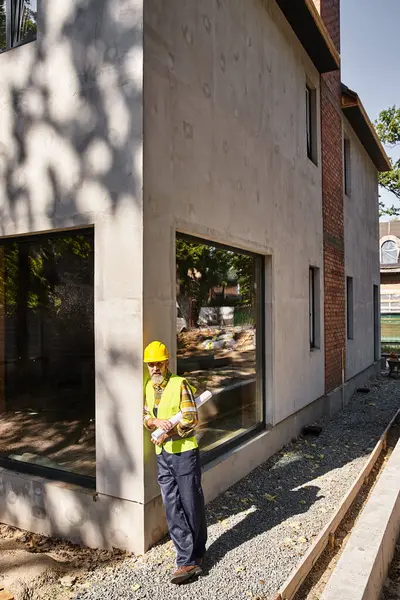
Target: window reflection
{"x": 3, "y": 41}
{"x": 47, "y": 351}
{"x": 24, "y": 21}
{"x": 18, "y": 22}
{"x": 218, "y": 313}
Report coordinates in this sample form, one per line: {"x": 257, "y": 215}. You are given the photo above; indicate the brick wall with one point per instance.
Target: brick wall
{"x": 333, "y": 210}
{"x": 390, "y": 278}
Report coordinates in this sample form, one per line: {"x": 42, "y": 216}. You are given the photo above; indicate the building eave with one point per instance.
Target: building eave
{"x": 357, "y": 116}
{"x": 312, "y": 33}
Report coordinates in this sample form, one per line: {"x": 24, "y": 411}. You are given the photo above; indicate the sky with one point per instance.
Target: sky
{"x": 370, "y": 31}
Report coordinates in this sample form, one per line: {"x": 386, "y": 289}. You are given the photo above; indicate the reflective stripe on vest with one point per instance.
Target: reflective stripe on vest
{"x": 168, "y": 407}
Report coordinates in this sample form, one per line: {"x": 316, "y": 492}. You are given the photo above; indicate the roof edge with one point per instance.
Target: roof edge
{"x": 311, "y": 32}
{"x": 351, "y": 100}
{"x": 324, "y": 31}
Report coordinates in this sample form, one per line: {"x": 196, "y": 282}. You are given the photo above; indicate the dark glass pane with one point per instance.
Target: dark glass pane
{"x": 3, "y": 41}
{"x": 24, "y": 21}
{"x": 218, "y": 311}
{"x": 47, "y": 352}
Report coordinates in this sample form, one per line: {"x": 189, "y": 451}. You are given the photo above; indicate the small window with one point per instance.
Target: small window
{"x": 347, "y": 166}
{"x": 349, "y": 308}
{"x": 311, "y": 124}
{"x": 314, "y": 307}
{"x": 389, "y": 253}
{"x": 17, "y": 23}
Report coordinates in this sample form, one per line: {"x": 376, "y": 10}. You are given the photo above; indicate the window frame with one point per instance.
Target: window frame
{"x": 311, "y": 123}
{"x": 49, "y": 473}
{"x": 9, "y": 15}
{"x": 387, "y": 251}
{"x": 227, "y": 446}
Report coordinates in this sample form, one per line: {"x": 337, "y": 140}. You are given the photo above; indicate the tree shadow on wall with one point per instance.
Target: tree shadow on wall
{"x": 70, "y": 147}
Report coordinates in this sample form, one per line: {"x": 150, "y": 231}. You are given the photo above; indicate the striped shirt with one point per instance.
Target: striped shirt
{"x": 190, "y": 418}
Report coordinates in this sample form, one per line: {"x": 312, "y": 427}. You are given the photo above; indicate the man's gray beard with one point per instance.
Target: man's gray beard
{"x": 157, "y": 379}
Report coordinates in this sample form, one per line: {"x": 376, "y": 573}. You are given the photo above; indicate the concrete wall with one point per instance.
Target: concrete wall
{"x": 225, "y": 159}
{"x": 71, "y": 156}
{"x": 361, "y": 252}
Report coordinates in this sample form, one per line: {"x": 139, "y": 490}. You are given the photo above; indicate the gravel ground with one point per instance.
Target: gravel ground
{"x": 260, "y": 527}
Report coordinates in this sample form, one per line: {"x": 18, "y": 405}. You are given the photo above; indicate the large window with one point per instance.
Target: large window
{"x": 47, "y": 351}
{"x": 220, "y": 337}
{"x": 17, "y": 22}
{"x": 388, "y": 252}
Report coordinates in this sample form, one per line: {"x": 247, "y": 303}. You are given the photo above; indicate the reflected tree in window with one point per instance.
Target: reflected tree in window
{"x": 3, "y": 42}
{"x": 18, "y": 22}
{"x": 218, "y": 292}
{"x": 47, "y": 351}
{"x": 24, "y": 21}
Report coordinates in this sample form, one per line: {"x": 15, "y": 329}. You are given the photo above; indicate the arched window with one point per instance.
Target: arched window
{"x": 388, "y": 253}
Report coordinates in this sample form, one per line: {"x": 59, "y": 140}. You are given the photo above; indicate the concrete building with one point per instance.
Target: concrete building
{"x": 148, "y": 155}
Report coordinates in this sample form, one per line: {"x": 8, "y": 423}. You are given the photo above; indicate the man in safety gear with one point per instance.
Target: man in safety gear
{"x": 178, "y": 462}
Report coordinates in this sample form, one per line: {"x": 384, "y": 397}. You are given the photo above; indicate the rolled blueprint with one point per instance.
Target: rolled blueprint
{"x": 200, "y": 400}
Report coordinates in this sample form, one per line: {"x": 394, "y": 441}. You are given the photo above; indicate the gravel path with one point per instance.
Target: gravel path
{"x": 260, "y": 527}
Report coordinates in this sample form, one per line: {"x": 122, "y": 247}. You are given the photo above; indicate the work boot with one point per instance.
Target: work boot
{"x": 182, "y": 574}
{"x": 199, "y": 562}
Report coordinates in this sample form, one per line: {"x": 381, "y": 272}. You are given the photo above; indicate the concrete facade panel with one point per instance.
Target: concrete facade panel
{"x": 361, "y": 252}
{"x": 225, "y": 159}
{"x": 71, "y": 149}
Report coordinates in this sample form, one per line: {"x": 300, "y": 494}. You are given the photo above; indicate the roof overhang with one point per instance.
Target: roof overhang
{"x": 312, "y": 33}
{"x": 355, "y": 112}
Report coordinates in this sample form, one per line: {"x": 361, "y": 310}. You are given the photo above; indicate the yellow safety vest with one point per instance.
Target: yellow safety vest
{"x": 168, "y": 407}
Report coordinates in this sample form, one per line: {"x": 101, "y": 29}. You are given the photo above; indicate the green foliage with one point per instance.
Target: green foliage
{"x": 42, "y": 277}
{"x": 29, "y": 22}
{"x": 201, "y": 267}
{"x": 388, "y": 128}
{"x": 244, "y": 268}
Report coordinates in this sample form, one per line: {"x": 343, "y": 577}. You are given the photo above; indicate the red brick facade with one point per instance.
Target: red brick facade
{"x": 330, "y": 13}
{"x": 333, "y": 210}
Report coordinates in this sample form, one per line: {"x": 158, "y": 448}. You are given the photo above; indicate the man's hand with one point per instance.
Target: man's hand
{"x": 160, "y": 424}
{"x": 160, "y": 440}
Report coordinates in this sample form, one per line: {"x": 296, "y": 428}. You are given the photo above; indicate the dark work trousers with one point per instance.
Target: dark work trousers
{"x": 179, "y": 477}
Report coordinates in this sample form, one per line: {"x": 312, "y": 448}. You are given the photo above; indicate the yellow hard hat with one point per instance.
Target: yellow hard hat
{"x": 155, "y": 352}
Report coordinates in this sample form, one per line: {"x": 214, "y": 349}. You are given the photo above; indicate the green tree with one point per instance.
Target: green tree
{"x": 388, "y": 128}
{"x": 200, "y": 268}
